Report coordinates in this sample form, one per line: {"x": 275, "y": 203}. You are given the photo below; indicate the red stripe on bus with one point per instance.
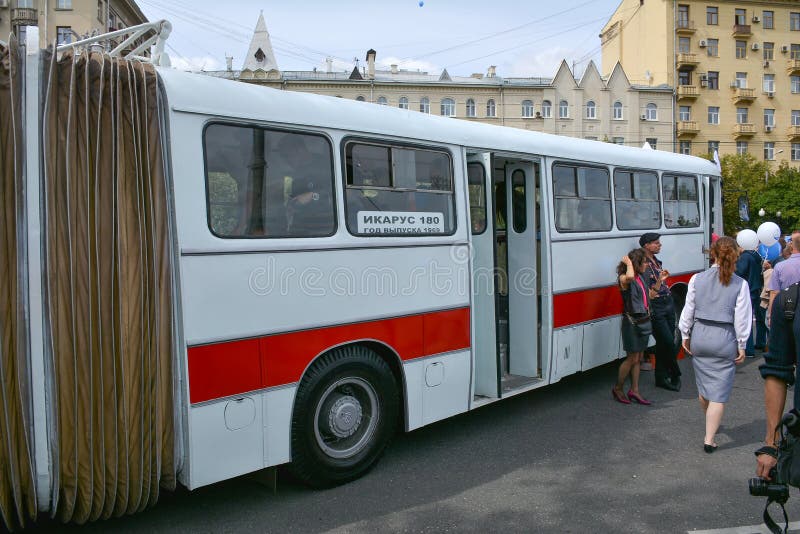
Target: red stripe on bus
{"x": 234, "y": 367}
{"x": 592, "y": 304}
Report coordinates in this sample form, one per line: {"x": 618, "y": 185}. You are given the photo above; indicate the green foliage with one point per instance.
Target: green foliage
{"x": 767, "y": 189}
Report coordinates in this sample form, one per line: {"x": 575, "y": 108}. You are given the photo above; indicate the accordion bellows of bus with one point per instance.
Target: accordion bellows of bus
{"x": 207, "y": 278}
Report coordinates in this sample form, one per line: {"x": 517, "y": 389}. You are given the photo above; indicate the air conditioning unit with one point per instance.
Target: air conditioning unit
{"x": 770, "y": 94}
{"x": 703, "y": 83}
{"x": 538, "y": 114}
{"x": 3, "y": 3}
{"x": 784, "y": 49}
{"x": 644, "y": 117}
{"x": 756, "y": 19}
{"x": 768, "y": 129}
{"x": 766, "y": 64}
{"x": 755, "y": 46}
{"x": 701, "y": 44}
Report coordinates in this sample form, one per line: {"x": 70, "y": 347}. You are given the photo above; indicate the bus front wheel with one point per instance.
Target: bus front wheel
{"x": 344, "y": 416}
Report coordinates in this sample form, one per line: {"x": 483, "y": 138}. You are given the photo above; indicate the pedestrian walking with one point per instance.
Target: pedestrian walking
{"x": 748, "y": 267}
{"x": 715, "y": 324}
{"x": 662, "y": 313}
{"x": 636, "y": 327}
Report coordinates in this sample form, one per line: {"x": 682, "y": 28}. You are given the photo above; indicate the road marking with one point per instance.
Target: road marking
{"x": 752, "y": 529}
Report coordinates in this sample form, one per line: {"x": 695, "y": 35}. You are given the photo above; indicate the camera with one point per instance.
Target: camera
{"x": 774, "y": 489}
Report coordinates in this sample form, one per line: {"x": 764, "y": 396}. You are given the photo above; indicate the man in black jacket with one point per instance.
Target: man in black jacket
{"x": 748, "y": 266}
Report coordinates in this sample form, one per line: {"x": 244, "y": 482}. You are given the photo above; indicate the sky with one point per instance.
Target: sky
{"x": 521, "y": 38}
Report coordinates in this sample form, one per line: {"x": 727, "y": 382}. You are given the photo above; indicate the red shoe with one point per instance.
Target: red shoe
{"x": 619, "y": 396}
{"x": 638, "y": 398}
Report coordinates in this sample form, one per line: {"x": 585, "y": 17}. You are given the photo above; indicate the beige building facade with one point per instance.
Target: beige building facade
{"x": 608, "y": 108}
{"x": 735, "y": 66}
{"x": 64, "y": 21}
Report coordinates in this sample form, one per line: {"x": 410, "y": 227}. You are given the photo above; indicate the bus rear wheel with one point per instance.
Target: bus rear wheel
{"x": 345, "y": 414}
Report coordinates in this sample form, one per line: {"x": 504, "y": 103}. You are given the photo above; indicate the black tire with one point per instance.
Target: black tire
{"x": 345, "y": 415}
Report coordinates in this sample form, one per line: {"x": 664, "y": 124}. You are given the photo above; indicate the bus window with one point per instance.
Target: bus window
{"x": 681, "y": 208}
{"x": 582, "y": 197}
{"x": 477, "y": 197}
{"x": 393, "y": 190}
{"x": 518, "y": 201}
{"x": 264, "y": 183}
{"x": 636, "y": 200}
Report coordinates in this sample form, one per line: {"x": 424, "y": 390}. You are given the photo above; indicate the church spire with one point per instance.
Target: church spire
{"x": 260, "y": 55}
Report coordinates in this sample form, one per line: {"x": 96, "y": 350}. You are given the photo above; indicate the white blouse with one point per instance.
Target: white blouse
{"x": 742, "y": 318}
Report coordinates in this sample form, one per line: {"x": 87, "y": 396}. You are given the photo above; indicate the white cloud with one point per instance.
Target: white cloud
{"x": 195, "y": 64}
{"x": 543, "y": 63}
{"x": 410, "y": 64}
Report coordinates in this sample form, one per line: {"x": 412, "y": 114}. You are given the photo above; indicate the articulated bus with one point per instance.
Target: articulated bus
{"x": 343, "y": 270}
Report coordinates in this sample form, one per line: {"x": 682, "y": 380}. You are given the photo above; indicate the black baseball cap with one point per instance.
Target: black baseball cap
{"x": 649, "y": 237}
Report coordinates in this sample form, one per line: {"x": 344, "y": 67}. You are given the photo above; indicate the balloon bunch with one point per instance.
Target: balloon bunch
{"x": 765, "y": 241}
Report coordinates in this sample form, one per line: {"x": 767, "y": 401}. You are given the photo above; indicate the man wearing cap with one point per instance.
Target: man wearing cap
{"x": 662, "y": 312}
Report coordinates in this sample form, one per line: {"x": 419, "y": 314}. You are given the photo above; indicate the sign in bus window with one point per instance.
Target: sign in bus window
{"x": 267, "y": 184}
{"x": 477, "y": 197}
{"x": 397, "y": 191}
{"x": 582, "y": 198}
{"x": 636, "y": 200}
{"x": 681, "y": 207}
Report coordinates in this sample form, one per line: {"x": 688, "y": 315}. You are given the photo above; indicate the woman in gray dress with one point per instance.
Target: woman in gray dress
{"x": 634, "y": 336}
{"x": 715, "y": 325}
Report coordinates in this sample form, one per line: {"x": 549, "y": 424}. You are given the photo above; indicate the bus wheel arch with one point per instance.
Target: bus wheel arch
{"x": 345, "y": 413}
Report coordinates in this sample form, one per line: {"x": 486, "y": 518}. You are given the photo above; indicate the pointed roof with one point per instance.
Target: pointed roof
{"x": 260, "y": 55}
{"x": 618, "y": 78}
{"x": 563, "y": 74}
{"x": 591, "y": 74}
{"x": 445, "y": 77}
{"x": 356, "y": 74}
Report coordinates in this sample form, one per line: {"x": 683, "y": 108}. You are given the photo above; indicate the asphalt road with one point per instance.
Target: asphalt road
{"x": 565, "y": 458}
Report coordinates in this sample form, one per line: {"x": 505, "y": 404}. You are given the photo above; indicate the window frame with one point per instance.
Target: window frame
{"x": 712, "y": 77}
{"x": 742, "y": 148}
{"x": 591, "y": 110}
{"x": 470, "y": 108}
{"x": 403, "y": 102}
{"x": 67, "y": 30}
{"x": 794, "y": 21}
{"x": 712, "y": 47}
{"x": 698, "y": 191}
{"x": 445, "y": 104}
{"x": 771, "y": 18}
{"x": 382, "y": 101}
{"x": 795, "y": 151}
{"x": 425, "y": 105}
{"x": 769, "y": 118}
{"x": 527, "y": 109}
{"x": 740, "y": 16}
{"x": 685, "y": 147}
{"x": 769, "y": 150}
{"x": 547, "y": 109}
{"x": 484, "y": 197}
{"x": 713, "y": 113}
{"x": 252, "y": 126}
{"x": 741, "y": 49}
{"x": 658, "y": 199}
{"x": 63, "y": 5}
{"x": 712, "y": 15}
{"x": 651, "y": 111}
{"x": 768, "y": 51}
{"x": 579, "y": 165}
{"x": 616, "y": 110}
{"x": 491, "y": 108}
{"x": 563, "y": 109}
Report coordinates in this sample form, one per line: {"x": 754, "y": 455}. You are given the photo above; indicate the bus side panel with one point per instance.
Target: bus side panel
{"x": 438, "y": 387}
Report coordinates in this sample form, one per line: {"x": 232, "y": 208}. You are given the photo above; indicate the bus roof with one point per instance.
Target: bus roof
{"x": 196, "y": 93}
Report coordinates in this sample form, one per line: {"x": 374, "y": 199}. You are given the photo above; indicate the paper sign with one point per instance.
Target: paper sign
{"x": 400, "y": 222}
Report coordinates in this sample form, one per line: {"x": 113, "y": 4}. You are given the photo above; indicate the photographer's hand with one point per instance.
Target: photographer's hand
{"x": 764, "y": 464}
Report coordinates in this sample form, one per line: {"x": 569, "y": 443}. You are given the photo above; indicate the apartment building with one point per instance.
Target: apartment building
{"x": 609, "y": 108}
{"x": 735, "y": 67}
{"x": 65, "y": 21}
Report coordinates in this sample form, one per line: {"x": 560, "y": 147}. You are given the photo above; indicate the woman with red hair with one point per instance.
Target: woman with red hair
{"x": 715, "y": 325}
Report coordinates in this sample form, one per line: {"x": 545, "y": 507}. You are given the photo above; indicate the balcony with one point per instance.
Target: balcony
{"x": 688, "y": 91}
{"x": 684, "y": 27}
{"x": 744, "y": 130}
{"x": 793, "y": 67}
{"x": 687, "y": 128}
{"x": 742, "y": 31}
{"x": 686, "y": 61}
{"x": 24, "y": 16}
{"x": 793, "y": 132}
{"x": 742, "y": 94}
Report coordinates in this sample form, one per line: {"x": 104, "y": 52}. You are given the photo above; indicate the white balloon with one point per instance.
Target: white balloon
{"x": 747, "y": 239}
{"x": 769, "y": 233}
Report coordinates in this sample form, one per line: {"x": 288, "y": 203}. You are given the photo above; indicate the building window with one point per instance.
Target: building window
{"x": 382, "y": 101}
{"x": 740, "y": 17}
{"x": 769, "y": 83}
{"x": 295, "y": 198}
{"x": 794, "y": 22}
{"x": 769, "y": 150}
{"x": 768, "y": 20}
{"x": 741, "y": 147}
{"x": 101, "y": 10}
{"x": 470, "y": 107}
{"x": 425, "y": 105}
{"x": 741, "y": 115}
{"x": 685, "y": 147}
{"x": 547, "y": 109}
{"x": 681, "y": 207}
{"x": 617, "y": 110}
{"x": 651, "y": 112}
{"x": 684, "y": 45}
{"x": 653, "y": 142}
{"x": 713, "y": 79}
{"x": 685, "y": 113}
{"x": 795, "y": 82}
{"x": 713, "y": 146}
{"x": 618, "y": 140}
{"x": 795, "y": 151}
{"x": 713, "y": 114}
{"x": 636, "y": 200}
{"x": 447, "y": 107}
{"x": 712, "y": 15}
{"x": 794, "y": 51}
{"x": 769, "y": 118}
{"x": 582, "y": 198}
{"x": 63, "y": 35}
{"x": 527, "y": 108}
{"x": 403, "y": 103}
{"x": 712, "y": 47}
{"x": 683, "y": 16}
{"x": 563, "y": 109}
{"x": 396, "y": 178}
{"x": 741, "y": 80}
{"x": 64, "y": 4}
{"x": 769, "y": 51}
{"x": 490, "y": 109}
{"x": 741, "y": 49}
{"x": 684, "y": 77}
{"x": 360, "y": 99}
{"x": 591, "y": 110}
{"x": 796, "y": 117}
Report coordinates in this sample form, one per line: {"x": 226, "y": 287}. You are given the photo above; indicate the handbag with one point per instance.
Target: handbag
{"x": 643, "y": 326}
